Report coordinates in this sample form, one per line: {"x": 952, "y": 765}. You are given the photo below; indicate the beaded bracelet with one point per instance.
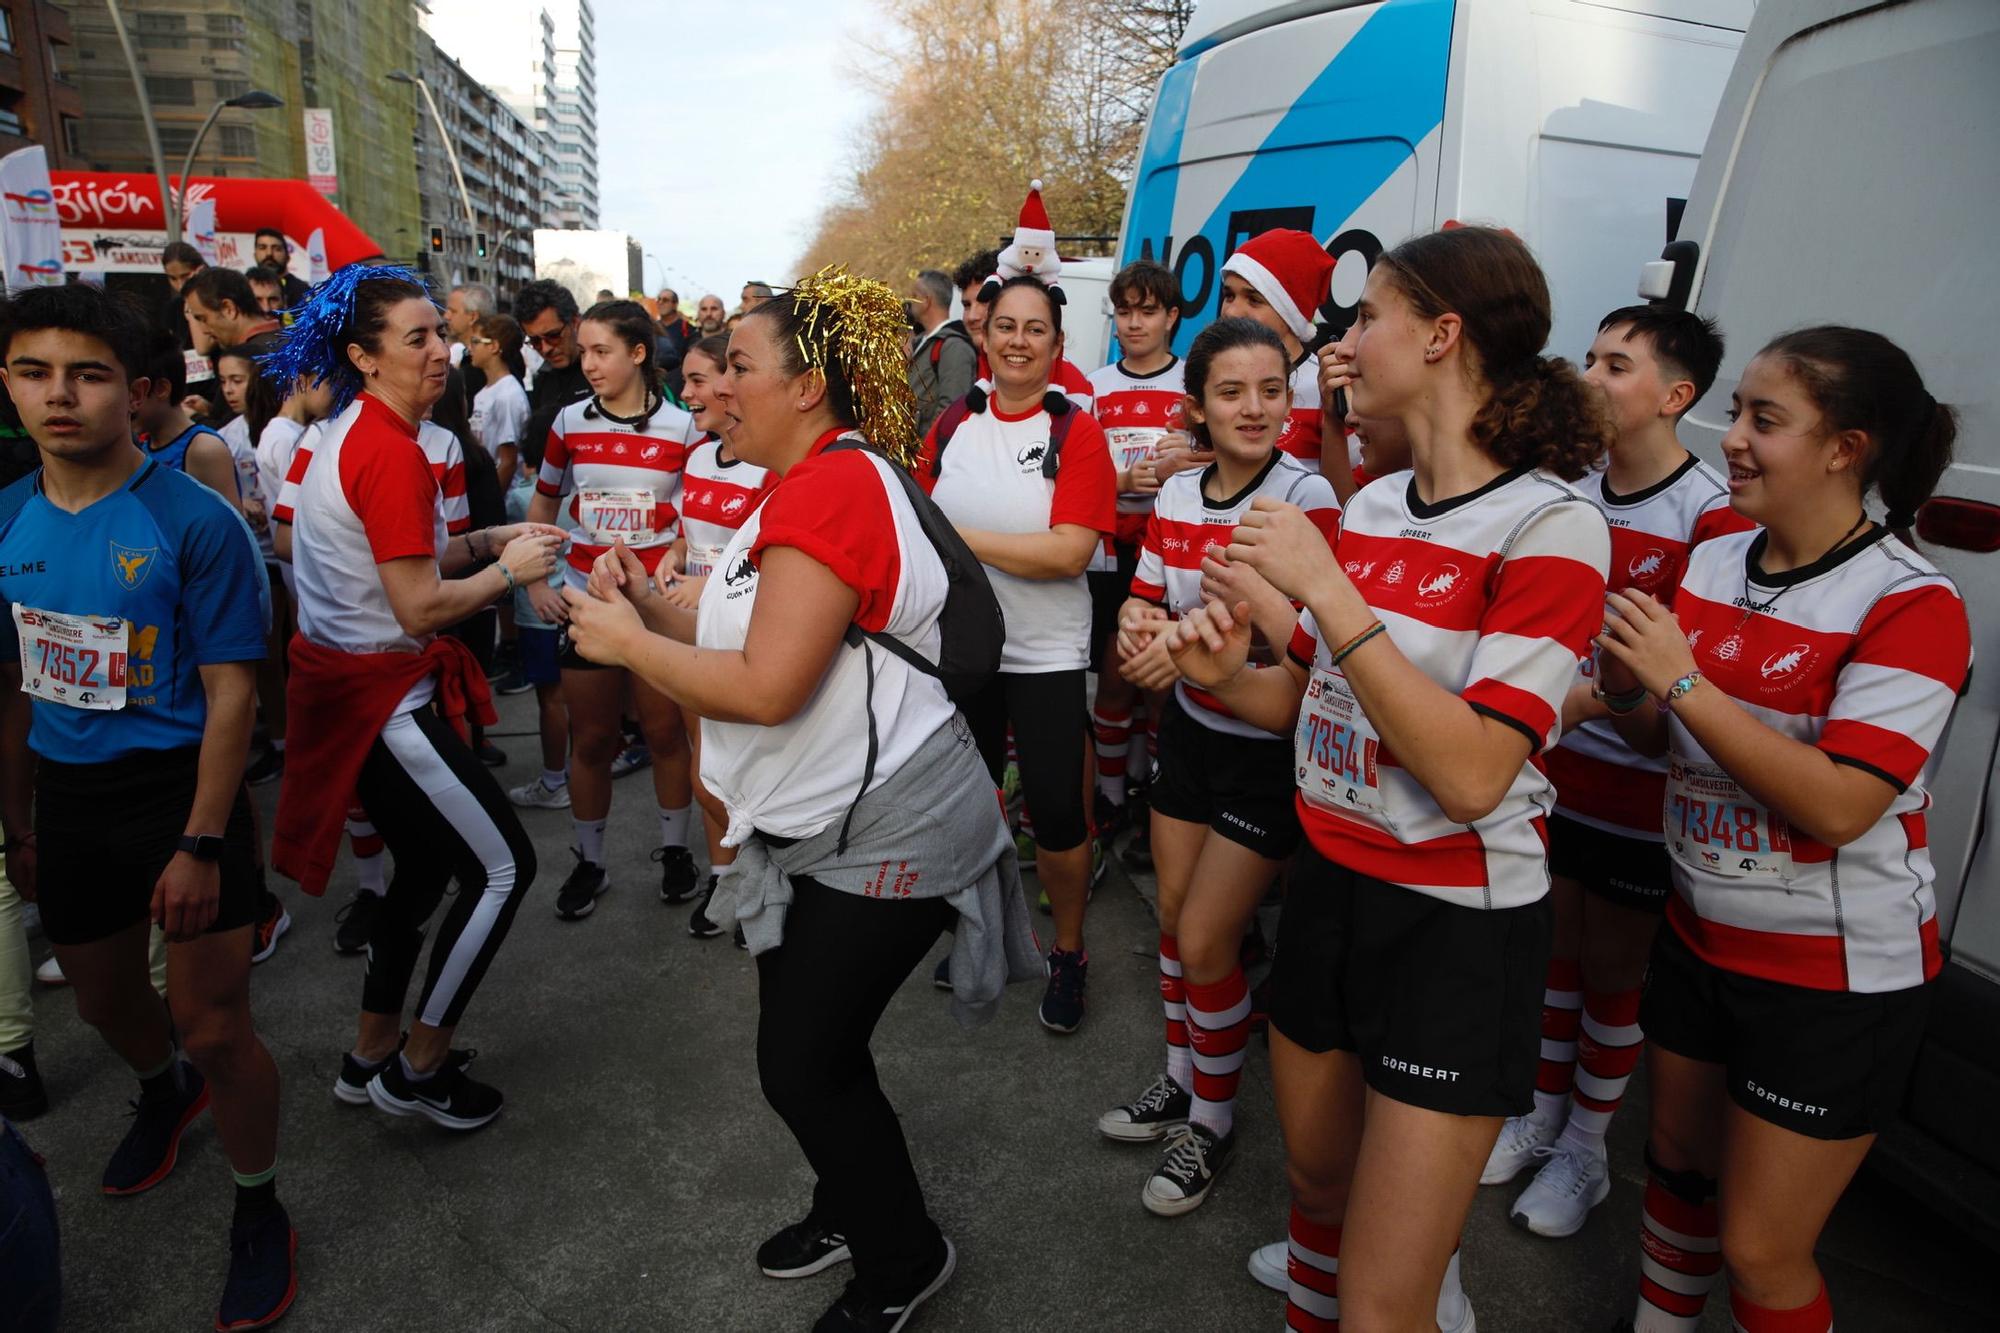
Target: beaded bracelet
{"x": 1347, "y": 649}
{"x": 507, "y": 574}
{"x": 1680, "y": 688}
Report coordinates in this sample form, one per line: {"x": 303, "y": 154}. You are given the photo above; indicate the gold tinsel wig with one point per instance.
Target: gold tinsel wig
{"x": 860, "y": 324}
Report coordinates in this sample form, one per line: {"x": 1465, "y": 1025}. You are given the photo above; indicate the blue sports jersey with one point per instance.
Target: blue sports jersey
{"x": 166, "y": 555}
{"x": 173, "y": 453}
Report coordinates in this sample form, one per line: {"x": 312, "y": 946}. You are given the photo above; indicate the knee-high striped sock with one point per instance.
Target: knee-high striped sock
{"x": 366, "y": 845}
{"x": 1218, "y": 1020}
{"x": 1680, "y": 1256}
{"x": 1562, "y": 1005}
{"x": 1173, "y": 999}
{"x": 1606, "y": 1054}
{"x": 1312, "y": 1305}
{"x": 1111, "y": 734}
{"x": 1813, "y": 1317}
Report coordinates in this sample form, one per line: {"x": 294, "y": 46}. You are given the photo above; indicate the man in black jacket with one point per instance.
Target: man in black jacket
{"x": 548, "y": 317}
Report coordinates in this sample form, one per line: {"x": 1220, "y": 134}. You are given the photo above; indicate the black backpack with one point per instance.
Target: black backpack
{"x": 970, "y": 627}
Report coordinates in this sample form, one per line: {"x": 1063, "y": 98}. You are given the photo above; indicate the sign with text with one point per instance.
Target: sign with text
{"x": 30, "y": 229}
{"x": 321, "y": 171}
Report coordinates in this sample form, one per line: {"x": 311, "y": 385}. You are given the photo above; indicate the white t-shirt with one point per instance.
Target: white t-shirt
{"x": 275, "y": 448}
{"x": 795, "y": 778}
{"x": 249, "y": 485}
{"x": 990, "y": 477}
{"x": 499, "y": 411}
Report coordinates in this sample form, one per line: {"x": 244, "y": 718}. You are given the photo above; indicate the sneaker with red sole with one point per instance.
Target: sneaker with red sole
{"x": 263, "y": 1273}
{"x": 147, "y": 1154}
{"x": 275, "y": 922}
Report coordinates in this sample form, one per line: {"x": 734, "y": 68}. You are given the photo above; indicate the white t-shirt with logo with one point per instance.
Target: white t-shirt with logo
{"x": 990, "y": 477}
{"x": 794, "y": 778}
{"x": 499, "y": 411}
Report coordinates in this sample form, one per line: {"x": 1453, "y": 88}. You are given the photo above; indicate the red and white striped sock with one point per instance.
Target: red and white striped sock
{"x": 1680, "y": 1257}
{"x": 1111, "y": 734}
{"x": 1562, "y": 1006}
{"x": 1218, "y": 1021}
{"x": 1814, "y": 1317}
{"x": 366, "y": 844}
{"x": 1312, "y": 1304}
{"x": 1606, "y": 1054}
{"x": 1173, "y": 999}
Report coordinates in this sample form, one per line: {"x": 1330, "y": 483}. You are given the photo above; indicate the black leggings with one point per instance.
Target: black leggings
{"x": 1050, "y": 722}
{"x": 443, "y": 816}
{"x": 820, "y": 995}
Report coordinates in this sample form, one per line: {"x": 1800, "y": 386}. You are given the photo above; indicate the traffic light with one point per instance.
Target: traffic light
{"x": 479, "y": 243}
{"x": 437, "y": 240}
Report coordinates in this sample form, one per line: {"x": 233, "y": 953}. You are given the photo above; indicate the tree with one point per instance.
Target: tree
{"x": 981, "y": 97}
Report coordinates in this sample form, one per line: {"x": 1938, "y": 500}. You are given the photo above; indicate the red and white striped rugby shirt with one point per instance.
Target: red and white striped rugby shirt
{"x": 1300, "y": 436}
{"x": 1136, "y": 411}
{"x": 442, "y": 451}
{"x": 1600, "y": 780}
{"x": 1186, "y": 524}
{"x": 716, "y": 497}
{"x": 632, "y": 479}
{"x": 1860, "y": 654}
{"x": 1494, "y": 595}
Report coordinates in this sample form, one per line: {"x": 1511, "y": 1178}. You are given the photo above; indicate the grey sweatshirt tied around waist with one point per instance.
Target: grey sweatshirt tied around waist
{"x": 933, "y": 829}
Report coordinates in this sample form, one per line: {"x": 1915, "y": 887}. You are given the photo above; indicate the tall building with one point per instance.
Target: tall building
{"x": 195, "y": 53}
{"x": 504, "y": 161}
{"x": 39, "y": 99}
{"x": 540, "y": 56}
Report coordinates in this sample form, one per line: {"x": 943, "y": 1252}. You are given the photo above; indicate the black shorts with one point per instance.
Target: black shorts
{"x": 1109, "y": 590}
{"x": 104, "y": 832}
{"x": 1826, "y": 1064}
{"x": 1442, "y": 1003}
{"x": 1239, "y": 786}
{"x": 1631, "y": 872}
{"x": 569, "y": 659}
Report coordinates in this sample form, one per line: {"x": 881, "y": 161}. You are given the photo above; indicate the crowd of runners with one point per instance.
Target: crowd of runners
{"x": 1450, "y": 643}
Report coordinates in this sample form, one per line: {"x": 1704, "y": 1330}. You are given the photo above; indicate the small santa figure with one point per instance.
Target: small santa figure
{"x": 1033, "y": 251}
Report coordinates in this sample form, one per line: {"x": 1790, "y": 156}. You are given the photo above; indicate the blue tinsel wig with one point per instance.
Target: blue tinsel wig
{"x": 314, "y": 345}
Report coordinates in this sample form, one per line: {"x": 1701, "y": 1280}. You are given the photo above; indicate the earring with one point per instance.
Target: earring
{"x": 1431, "y": 354}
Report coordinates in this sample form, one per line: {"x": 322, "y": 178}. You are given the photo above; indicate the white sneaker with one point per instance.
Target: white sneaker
{"x": 1571, "y": 1182}
{"x": 1520, "y": 1139}
{"x": 1268, "y": 1263}
{"x": 1457, "y": 1320}
{"x": 535, "y": 794}
{"x": 50, "y": 973}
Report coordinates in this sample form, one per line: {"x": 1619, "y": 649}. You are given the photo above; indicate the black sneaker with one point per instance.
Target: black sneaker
{"x": 942, "y": 977}
{"x": 1062, "y": 1002}
{"x": 741, "y": 943}
{"x": 1138, "y": 853}
{"x": 700, "y": 924}
{"x": 678, "y": 877}
{"x": 270, "y": 766}
{"x": 802, "y": 1249}
{"x": 578, "y": 896}
{"x": 1109, "y": 816}
{"x": 859, "y": 1312}
{"x": 490, "y": 754}
{"x": 150, "y": 1147}
{"x": 450, "y": 1097}
{"x": 354, "y": 924}
{"x": 513, "y": 683}
{"x": 355, "y": 1074}
{"x": 22, "y": 1096}
{"x": 263, "y": 1272}
{"x": 1191, "y": 1163}
{"x": 1157, "y": 1112}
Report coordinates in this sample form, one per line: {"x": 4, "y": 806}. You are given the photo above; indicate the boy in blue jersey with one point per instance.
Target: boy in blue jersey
{"x": 130, "y": 653}
{"x": 172, "y": 437}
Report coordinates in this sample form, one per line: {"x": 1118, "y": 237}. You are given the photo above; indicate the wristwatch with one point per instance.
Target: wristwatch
{"x": 202, "y": 846}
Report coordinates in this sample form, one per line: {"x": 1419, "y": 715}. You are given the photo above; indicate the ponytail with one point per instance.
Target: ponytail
{"x": 1544, "y": 417}
{"x": 1861, "y": 381}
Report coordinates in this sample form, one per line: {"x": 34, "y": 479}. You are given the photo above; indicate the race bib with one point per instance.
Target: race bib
{"x": 1131, "y": 444}
{"x": 76, "y": 661}
{"x": 1335, "y": 750}
{"x": 1714, "y": 825}
{"x": 701, "y": 561}
{"x": 623, "y": 511}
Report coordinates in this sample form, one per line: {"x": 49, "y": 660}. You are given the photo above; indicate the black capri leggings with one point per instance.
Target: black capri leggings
{"x": 1050, "y": 722}
{"x": 443, "y": 817}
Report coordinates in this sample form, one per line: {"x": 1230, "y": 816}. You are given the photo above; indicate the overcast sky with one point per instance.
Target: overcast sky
{"x": 721, "y": 126}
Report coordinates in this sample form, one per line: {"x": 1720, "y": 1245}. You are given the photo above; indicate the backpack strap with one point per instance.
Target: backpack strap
{"x": 1060, "y": 419}
{"x": 947, "y": 425}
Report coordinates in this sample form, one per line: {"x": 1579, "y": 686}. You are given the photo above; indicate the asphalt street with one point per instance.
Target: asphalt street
{"x": 636, "y": 1166}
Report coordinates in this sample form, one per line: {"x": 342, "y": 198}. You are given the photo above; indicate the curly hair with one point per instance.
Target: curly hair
{"x": 1538, "y": 412}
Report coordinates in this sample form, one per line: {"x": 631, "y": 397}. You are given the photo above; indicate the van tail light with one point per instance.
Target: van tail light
{"x": 1967, "y": 525}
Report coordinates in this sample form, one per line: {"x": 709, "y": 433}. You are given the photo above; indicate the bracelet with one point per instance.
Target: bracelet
{"x": 470, "y": 554}
{"x": 1346, "y": 649}
{"x": 507, "y": 574}
{"x": 1680, "y": 688}
{"x": 1618, "y": 705}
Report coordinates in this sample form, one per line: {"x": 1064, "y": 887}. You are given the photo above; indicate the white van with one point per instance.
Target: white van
{"x": 1850, "y": 178}
{"x": 1576, "y": 123}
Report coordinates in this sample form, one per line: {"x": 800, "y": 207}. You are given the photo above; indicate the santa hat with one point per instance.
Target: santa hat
{"x": 1291, "y": 271}
{"x": 1034, "y": 228}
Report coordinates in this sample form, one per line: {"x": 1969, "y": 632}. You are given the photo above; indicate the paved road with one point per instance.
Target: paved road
{"x": 636, "y": 1166}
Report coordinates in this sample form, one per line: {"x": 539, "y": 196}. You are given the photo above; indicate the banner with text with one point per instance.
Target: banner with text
{"x": 322, "y": 172}
{"x": 30, "y": 230}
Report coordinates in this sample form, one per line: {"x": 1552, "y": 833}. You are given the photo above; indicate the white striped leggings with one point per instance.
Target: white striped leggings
{"x": 444, "y": 817}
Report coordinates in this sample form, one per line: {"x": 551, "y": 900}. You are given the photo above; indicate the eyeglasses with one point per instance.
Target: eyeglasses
{"x": 547, "y": 339}
{"x": 482, "y": 342}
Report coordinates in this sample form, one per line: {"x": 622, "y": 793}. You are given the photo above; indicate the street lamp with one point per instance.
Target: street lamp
{"x": 254, "y": 100}
{"x": 444, "y": 136}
